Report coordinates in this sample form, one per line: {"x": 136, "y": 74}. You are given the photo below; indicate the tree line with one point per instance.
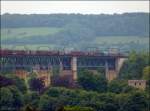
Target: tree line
{"x": 127, "y": 24}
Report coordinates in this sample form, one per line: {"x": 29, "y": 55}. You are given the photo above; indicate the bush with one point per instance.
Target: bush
{"x": 91, "y": 81}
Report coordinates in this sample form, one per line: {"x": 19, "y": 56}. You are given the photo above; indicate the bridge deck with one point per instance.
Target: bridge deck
{"x": 60, "y": 53}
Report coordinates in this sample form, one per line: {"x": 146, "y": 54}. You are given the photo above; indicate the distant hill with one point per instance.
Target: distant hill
{"x": 99, "y": 25}
{"x": 73, "y": 29}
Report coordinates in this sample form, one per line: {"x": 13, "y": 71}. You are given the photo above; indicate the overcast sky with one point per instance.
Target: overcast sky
{"x": 84, "y": 7}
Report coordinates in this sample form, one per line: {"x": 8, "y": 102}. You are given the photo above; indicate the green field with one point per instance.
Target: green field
{"x": 27, "y": 32}
{"x": 29, "y": 47}
{"x": 105, "y": 41}
{"x": 39, "y": 32}
{"x": 121, "y": 40}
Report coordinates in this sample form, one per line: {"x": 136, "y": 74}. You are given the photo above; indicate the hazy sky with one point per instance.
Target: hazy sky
{"x": 84, "y": 7}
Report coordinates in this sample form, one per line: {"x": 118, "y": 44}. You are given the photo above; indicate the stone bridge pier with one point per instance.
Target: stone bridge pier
{"x": 110, "y": 74}
{"x": 114, "y": 73}
{"x": 74, "y": 67}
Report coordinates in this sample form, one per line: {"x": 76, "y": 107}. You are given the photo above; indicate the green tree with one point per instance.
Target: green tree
{"x": 146, "y": 73}
{"x": 137, "y": 101}
{"x": 122, "y": 101}
{"x": 32, "y": 98}
{"x": 119, "y": 86}
{"x": 133, "y": 67}
{"x": 146, "y": 76}
{"x": 20, "y": 84}
{"x": 29, "y": 108}
{"x": 18, "y": 97}
{"x": 11, "y": 98}
{"x": 6, "y": 101}
{"x": 36, "y": 84}
{"x": 91, "y": 81}
{"x": 132, "y": 56}
{"x": 47, "y": 103}
{"x": 57, "y": 97}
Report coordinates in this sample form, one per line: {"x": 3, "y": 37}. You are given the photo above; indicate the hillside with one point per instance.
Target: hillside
{"x": 76, "y": 30}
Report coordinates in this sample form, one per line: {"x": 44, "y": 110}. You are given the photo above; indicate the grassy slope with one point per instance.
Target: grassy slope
{"x": 27, "y": 32}
{"x": 28, "y": 46}
{"x": 121, "y": 39}
{"x": 104, "y": 41}
{"x": 43, "y": 31}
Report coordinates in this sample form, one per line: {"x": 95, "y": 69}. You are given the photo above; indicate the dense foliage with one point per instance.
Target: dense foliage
{"x": 36, "y": 84}
{"x": 98, "y": 101}
{"x": 119, "y": 86}
{"x": 92, "y": 81}
{"x": 11, "y": 98}
{"x": 134, "y": 66}
{"x": 58, "y": 98}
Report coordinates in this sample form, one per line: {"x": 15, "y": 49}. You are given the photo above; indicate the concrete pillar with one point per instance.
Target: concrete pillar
{"x": 110, "y": 74}
{"x": 119, "y": 63}
{"x": 49, "y": 76}
{"x": 74, "y": 67}
{"x": 106, "y": 70}
{"x": 113, "y": 74}
{"x": 116, "y": 66}
{"x": 61, "y": 68}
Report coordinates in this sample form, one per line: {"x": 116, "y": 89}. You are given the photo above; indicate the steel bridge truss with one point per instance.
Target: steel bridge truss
{"x": 29, "y": 62}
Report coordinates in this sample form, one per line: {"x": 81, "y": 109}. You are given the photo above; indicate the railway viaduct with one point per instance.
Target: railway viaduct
{"x": 71, "y": 61}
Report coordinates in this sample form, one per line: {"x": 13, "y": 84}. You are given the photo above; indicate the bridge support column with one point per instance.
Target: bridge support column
{"x": 74, "y": 67}
{"x": 119, "y": 63}
{"x": 114, "y": 73}
{"x": 61, "y": 68}
{"x": 110, "y": 73}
